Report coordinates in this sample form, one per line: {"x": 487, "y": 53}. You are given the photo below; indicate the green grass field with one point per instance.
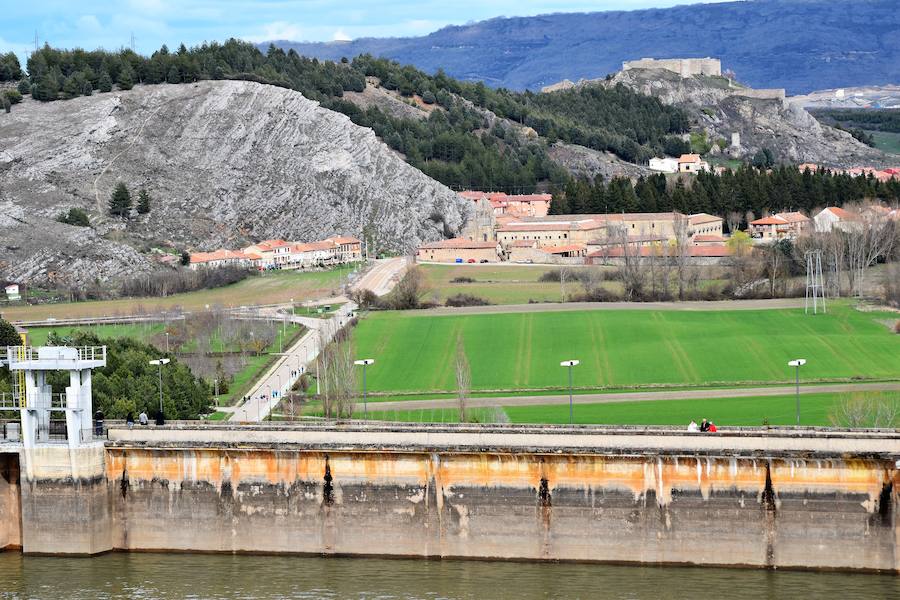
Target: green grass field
{"x": 415, "y": 352}
{"x": 815, "y": 410}
{"x": 887, "y": 141}
{"x": 508, "y": 284}
{"x": 142, "y": 332}
{"x": 269, "y": 288}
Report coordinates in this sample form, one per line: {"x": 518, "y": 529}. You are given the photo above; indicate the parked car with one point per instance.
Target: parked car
{"x": 459, "y": 260}
{"x": 471, "y": 260}
{"x": 484, "y": 260}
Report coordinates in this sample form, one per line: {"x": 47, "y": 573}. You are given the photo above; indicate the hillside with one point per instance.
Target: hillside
{"x": 225, "y": 162}
{"x": 800, "y": 45}
{"x": 719, "y": 109}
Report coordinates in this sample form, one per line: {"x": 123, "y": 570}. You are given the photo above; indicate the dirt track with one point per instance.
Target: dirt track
{"x": 777, "y": 303}
{"x": 637, "y": 396}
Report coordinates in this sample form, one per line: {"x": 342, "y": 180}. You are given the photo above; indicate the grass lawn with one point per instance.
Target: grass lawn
{"x": 815, "y": 410}
{"x": 508, "y": 284}
{"x": 887, "y": 141}
{"x": 415, "y": 352}
{"x": 269, "y": 288}
{"x": 256, "y": 365}
{"x": 143, "y": 332}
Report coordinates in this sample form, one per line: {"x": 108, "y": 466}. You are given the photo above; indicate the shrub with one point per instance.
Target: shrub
{"x": 174, "y": 282}
{"x": 76, "y": 217}
{"x": 14, "y": 96}
{"x": 462, "y": 280}
{"x": 466, "y": 300}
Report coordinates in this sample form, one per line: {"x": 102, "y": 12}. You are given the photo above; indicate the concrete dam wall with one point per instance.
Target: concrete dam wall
{"x": 578, "y": 494}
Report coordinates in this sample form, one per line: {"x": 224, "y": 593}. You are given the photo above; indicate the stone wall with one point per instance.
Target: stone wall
{"x": 605, "y": 506}
{"x": 10, "y": 503}
{"x": 758, "y": 498}
{"x": 66, "y": 501}
{"x": 686, "y": 67}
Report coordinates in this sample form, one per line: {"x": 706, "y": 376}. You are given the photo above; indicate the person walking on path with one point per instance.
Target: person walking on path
{"x": 129, "y": 420}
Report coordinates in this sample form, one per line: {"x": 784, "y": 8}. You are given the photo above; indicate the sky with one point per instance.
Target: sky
{"x": 91, "y": 24}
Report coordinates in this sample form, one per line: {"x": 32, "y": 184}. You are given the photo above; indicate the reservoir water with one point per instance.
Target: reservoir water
{"x": 169, "y": 576}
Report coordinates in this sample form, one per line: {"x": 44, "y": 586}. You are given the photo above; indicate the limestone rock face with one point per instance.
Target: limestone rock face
{"x": 721, "y": 109}
{"x": 226, "y": 162}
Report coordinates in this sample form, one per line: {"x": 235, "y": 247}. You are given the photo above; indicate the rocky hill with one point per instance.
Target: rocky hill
{"x": 800, "y": 45}
{"x": 762, "y": 118}
{"x": 225, "y": 162}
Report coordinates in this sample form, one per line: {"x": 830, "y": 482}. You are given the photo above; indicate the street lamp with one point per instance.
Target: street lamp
{"x": 365, "y": 363}
{"x": 798, "y": 363}
{"x": 160, "y": 420}
{"x": 167, "y": 342}
{"x": 570, "y": 364}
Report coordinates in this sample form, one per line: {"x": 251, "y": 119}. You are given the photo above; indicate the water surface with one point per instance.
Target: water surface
{"x": 166, "y": 576}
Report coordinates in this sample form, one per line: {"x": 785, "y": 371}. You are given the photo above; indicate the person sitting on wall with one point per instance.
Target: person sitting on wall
{"x": 129, "y": 420}
{"x": 143, "y": 419}
{"x": 704, "y": 426}
{"x": 692, "y": 427}
{"x": 712, "y": 427}
{"x": 98, "y": 422}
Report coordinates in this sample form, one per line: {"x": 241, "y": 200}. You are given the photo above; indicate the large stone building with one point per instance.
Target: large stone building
{"x": 458, "y": 250}
{"x": 686, "y": 67}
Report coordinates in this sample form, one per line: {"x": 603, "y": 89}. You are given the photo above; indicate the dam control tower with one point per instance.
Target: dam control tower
{"x": 36, "y": 400}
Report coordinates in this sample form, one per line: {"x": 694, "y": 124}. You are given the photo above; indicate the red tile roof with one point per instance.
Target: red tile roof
{"x": 689, "y": 158}
{"x": 343, "y": 240}
{"x": 840, "y": 213}
{"x": 709, "y": 238}
{"x": 793, "y": 217}
{"x": 457, "y": 244}
{"x": 694, "y": 252}
{"x": 216, "y": 255}
{"x": 773, "y": 220}
{"x": 564, "y": 249}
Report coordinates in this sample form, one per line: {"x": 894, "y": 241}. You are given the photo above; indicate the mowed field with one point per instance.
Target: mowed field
{"x": 270, "y": 288}
{"x": 815, "y": 410}
{"x": 622, "y": 348}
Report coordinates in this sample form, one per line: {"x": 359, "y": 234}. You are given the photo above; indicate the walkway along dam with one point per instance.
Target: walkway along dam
{"x": 766, "y": 498}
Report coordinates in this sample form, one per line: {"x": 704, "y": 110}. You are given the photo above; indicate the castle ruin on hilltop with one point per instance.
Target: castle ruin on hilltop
{"x": 686, "y": 67}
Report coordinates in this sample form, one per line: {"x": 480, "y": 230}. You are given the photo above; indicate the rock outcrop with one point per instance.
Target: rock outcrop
{"x": 761, "y": 117}
{"x": 226, "y": 162}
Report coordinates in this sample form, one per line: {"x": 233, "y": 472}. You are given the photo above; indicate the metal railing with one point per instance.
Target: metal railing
{"x": 13, "y": 401}
{"x": 18, "y": 354}
{"x": 54, "y": 432}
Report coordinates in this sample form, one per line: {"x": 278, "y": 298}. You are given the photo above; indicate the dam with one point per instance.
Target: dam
{"x": 764, "y": 498}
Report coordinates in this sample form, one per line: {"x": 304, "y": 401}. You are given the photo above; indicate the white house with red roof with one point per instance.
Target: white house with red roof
{"x": 692, "y": 163}
{"x": 834, "y": 217}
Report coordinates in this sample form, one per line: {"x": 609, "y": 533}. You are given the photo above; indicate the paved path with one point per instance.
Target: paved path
{"x": 636, "y": 396}
{"x": 268, "y": 390}
{"x": 383, "y": 276}
{"x": 777, "y": 303}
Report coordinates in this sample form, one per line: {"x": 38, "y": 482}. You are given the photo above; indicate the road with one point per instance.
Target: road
{"x": 382, "y": 277}
{"x": 267, "y": 390}
{"x": 637, "y": 396}
{"x": 777, "y": 303}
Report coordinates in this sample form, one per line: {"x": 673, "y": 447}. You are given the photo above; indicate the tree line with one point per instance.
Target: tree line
{"x": 749, "y": 192}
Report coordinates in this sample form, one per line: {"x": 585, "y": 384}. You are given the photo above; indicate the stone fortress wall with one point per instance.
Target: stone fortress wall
{"x": 686, "y": 67}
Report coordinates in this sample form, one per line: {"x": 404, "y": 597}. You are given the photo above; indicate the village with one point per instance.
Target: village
{"x": 279, "y": 254}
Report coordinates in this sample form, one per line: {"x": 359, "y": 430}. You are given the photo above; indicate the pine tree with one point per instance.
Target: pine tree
{"x": 105, "y": 84}
{"x": 174, "y": 76}
{"x": 126, "y": 79}
{"x": 120, "y": 201}
{"x": 143, "y": 205}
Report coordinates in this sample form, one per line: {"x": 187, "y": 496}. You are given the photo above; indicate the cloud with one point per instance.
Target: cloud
{"x": 340, "y": 36}
{"x": 277, "y": 30}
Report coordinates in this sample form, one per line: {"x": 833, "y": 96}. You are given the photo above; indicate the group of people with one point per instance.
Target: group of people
{"x": 142, "y": 419}
{"x": 704, "y": 426}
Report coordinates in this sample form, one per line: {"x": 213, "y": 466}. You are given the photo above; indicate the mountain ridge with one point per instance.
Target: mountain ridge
{"x": 801, "y": 46}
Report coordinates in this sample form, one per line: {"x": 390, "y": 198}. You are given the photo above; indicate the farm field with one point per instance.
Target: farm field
{"x": 506, "y": 284}
{"x": 815, "y": 410}
{"x": 269, "y": 288}
{"x": 887, "y": 141}
{"x": 512, "y": 351}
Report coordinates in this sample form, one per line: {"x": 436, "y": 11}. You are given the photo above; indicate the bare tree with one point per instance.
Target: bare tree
{"x": 338, "y": 377}
{"x": 734, "y": 220}
{"x": 858, "y": 410}
{"x": 869, "y": 236}
{"x": 681, "y": 251}
{"x": 463, "y": 378}
{"x": 410, "y": 290}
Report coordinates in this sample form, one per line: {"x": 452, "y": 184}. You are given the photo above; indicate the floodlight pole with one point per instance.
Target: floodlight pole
{"x": 570, "y": 364}
{"x": 365, "y": 363}
{"x": 158, "y": 363}
{"x": 797, "y": 364}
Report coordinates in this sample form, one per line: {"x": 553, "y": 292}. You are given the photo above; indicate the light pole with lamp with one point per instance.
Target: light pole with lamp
{"x": 797, "y": 364}
{"x": 365, "y": 363}
{"x": 160, "y": 419}
{"x": 570, "y": 364}
{"x": 167, "y": 342}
